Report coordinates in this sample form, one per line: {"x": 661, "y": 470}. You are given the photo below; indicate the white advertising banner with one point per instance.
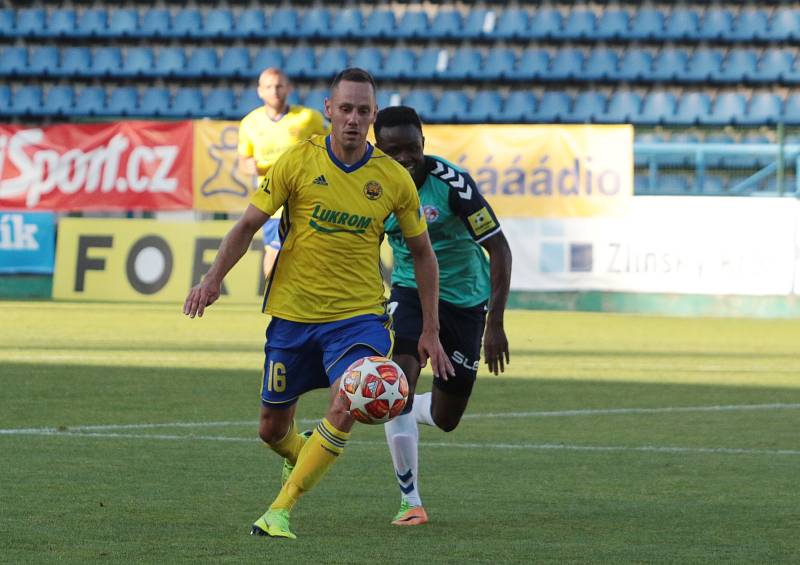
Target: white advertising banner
{"x": 666, "y": 244}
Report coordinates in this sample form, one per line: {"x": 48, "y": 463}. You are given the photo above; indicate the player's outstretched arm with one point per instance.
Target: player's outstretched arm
{"x": 495, "y": 343}
{"x": 233, "y": 247}
{"x": 426, "y": 272}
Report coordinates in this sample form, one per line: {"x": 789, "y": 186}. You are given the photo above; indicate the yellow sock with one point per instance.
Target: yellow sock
{"x": 289, "y": 447}
{"x": 316, "y": 457}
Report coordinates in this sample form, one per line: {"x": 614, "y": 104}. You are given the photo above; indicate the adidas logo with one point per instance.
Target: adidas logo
{"x": 320, "y": 180}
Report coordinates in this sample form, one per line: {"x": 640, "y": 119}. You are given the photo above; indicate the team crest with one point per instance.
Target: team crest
{"x": 431, "y": 213}
{"x": 373, "y": 190}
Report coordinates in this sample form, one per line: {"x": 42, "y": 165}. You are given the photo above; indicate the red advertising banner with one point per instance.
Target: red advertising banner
{"x": 134, "y": 165}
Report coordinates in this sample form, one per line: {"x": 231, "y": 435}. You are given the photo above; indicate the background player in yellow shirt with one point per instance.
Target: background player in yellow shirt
{"x": 325, "y": 293}
{"x": 268, "y": 131}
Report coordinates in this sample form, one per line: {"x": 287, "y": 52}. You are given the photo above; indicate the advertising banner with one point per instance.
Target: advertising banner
{"x": 133, "y": 165}
{"x": 27, "y": 242}
{"x": 148, "y": 260}
{"x": 667, "y": 244}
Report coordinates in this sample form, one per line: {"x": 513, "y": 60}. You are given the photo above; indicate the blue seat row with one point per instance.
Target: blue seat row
{"x": 670, "y": 64}
{"x": 711, "y": 184}
{"x": 646, "y": 23}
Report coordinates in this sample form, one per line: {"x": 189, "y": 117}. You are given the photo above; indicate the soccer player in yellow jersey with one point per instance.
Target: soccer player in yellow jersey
{"x": 268, "y": 131}
{"x": 325, "y": 293}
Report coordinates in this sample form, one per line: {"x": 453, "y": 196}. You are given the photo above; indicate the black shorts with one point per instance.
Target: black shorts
{"x": 460, "y": 331}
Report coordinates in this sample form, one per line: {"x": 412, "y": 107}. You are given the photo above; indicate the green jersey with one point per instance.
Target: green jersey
{"x": 459, "y": 218}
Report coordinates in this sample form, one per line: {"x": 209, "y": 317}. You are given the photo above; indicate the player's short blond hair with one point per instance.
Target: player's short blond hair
{"x": 274, "y": 71}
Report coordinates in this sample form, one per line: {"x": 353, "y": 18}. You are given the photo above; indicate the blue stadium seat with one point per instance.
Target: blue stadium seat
{"x": 648, "y": 23}
{"x": 499, "y": 64}
{"x": 187, "y": 22}
{"x": 92, "y": 22}
{"x": 202, "y": 62}
{"x": 601, "y": 64}
{"x": 5, "y": 100}
{"x": 283, "y": 23}
{"x": 466, "y": 63}
{"x": 431, "y": 61}
{"x": 251, "y": 24}
{"x": 76, "y": 62}
{"x": 485, "y": 107}
{"x": 737, "y": 66}
{"x": 545, "y": 24}
{"x": 123, "y": 101}
{"x": 670, "y": 64}
{"x": 422, "y": 101}
{"x": 31, "y": 22}
{"x": 413, "y": 24}
{"x": 220, "y": 103}
{"x": 728, "y": 108}
{"x": 579, "y": 25}
{"x": 613, "y": 25}
{"x": 520, "y": 107}
{"x": 451, "y": 107}
{"x": 218, "y": 23}
{"x": 169, "y": 62}
{"x": 27, "y": 101}
{"x": 61, "y": 23}
{"x": 717, "y": 24}
{"x": 13, "y": 61}
{"x": 479, "y": 24}
{"x": 534, "y": 64}
{"x": 300, "y": 62}
{"x": 380, "y": 24}
{"x": 712, "y": 184}
{"x": 747, "y": 161}
{"x": 386, "y": 99}
{"x": 91, "y": 101}
{"x": 316, "y": 22}
{"x": 447, "y": 24}
{"x": 266, "y": 58}
{"x": 553, "y": 107}
{"x": 400, "y": 64}
{"x": 623, "y": 107}
{"x": 567, "y": 65}
{"x": 248, "y": 101}
{"x": 369, "y": 59}
{"x": 331, "y": 61}
{"x": 752, "y": 24}
{"x": 673, "y": 183}
{"x": 636, "y": 64}
{"x": 587, "y": 107}
{"x": 703, "y": 64}
{"x": 186, "y": 103}
{"x": 8, "y": 28}
{"x": 58, "y": 101}
{"x": 775, "y": 65}
{"x": 716, "y": 161}
{"x": 235, "y": 62}
{"x": 315, "y": 98}
{"x": 682, "y": 25}
{"x": 658, "y": 108}
{"x": 139, "y": 61}
{"x": 512, "y": 24}
{"x": 765, "y": 108}
{"x": 347, "y": 24}
{"x": 784, "y": 25}
{"x": 154, "y": 102}
{"x": 107, "y": 61}
{"x": 693, "y": 107}
{"x": 124, "y": 22}
{"x": 43, "y": 61}
{"x": 156, "y": 22}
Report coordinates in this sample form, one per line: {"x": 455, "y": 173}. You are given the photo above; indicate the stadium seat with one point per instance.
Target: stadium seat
{"x": 422, "y": 101}
{"x": 717, "y": 24}
{"x": 534, "y": 64}
{"x": 601, "y": 64}
{"x": 300, "y": 62}
{"x": 587, "y": 107}
{"x": 613, "y": 25}
{"x": 672, "y": 183}
{"x": 623, "y": 107}
{"x": 553, "y": 106}
{"x": 220, "y": 103}
{"x": 703, "y": 64}
{"x": 728, "y": 108}
{"x": 5, "y": 100}
{"x": 485, "y": 107}
{"x": 187, "y": 22}
{"x": 499, "y": 65}
{"x": 8, "y": 28}
{"x": 764, "y": 108}
{"x": 156, "y": 22}
{"x": 479, "y": 24}
{"x": 42, "y": 61}
{"x": 138, "y": 61}
{"x": 124, "y": 22}
{"x": 218, "y": 23}
{"x": 235, "y": 62}
{"x": 107, "y": 61}
{"x": 76, "y": 62}
{"x": 669, "y": 64}
{"x": 692, "y": 108}
{"x": 567, "y": 65}
{"x": 658, "y": 108}
{"x": 123, "y": 101}
{"x": 27, "y": 101}
{"x": 58, "y": 101}
{"x": 315, "y": 98}
{"x": 579, "y": 25}
{"x": 186, "y": 103}
{"x": 92, "y": 22}
{"x": 154, "y": 102}
{"x": 91, "y": 101}
{"x": 266, "y": 58}
{"x": 369, "y": 59}
{"x": 738, "y": 66}
{"x": 791, "y": 110}
{"x": 248, "y": 101}
{"x": 512, "y": 24}
{"x": 202, "y": 62}
{"x": 31, "y": 22}
{"x": 635, "y": 64}
{"x": 13, "y": 61}
{"x": 451, "y": 107}
{"x": 430, "y": 63}
{"x": 751, "y": 24}
{"x": 380, "y": 25}
{"x": 400, "y": 64}
{"x": 61, "y": 23}
{"x": 251, "y": 24}
{"x": 413, "y": 25}
{"x": 712, "y": 184}
{"x": 447, "y": 24}
{"x": 682, "y": 25}
{"x": 283, "y": 23}
{"x": 347, "y": 24}
{"x": 169, "y": 62}
{"x": 331, "y": 61}
{"x": 648, "y": 23}
{"x": 784, "y": 25}
{"x": 775, "y": 65}
{"x": 676, "y": 159}
{"x": 386, "y": 99}
{"x": 466, "y": 63}
{"x": 545, "y": 24}
{"x": 519, "y": 107}
{"x": 315, "y": 23}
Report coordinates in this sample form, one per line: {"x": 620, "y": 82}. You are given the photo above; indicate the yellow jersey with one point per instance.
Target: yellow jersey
{"x": 264, "y": 139}
{"x": 332, "y": 226}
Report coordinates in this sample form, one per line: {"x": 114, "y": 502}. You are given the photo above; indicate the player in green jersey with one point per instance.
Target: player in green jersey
{"x": 461, "y": 225}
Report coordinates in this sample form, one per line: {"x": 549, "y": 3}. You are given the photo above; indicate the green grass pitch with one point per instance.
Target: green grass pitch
{"x": 128, "y": 434}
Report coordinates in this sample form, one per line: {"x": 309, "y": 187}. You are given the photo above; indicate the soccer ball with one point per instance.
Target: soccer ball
{"x": 374, "y": 389}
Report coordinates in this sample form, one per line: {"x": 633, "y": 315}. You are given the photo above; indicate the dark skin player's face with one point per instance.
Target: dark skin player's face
{"x": 405, "y": 144}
